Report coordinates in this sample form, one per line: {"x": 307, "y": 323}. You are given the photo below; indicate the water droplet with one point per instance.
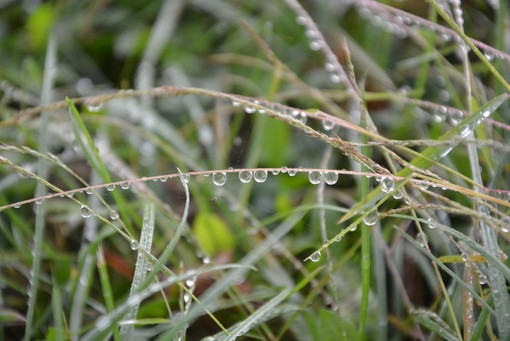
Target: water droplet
{"x": 329, "y": 67}
{"x": 260, "y": 176}
{"x": 482, "y": 279}
{"x": 17, "y": 206}
{"x": 186, "y": 297}
{"x": 422, "y": 239}
{"x": 315, "y": 45}
{"x": 206, "y": 260}
{"x": 70, "y": 195}
{"x": 315, "y": 257}
{"x": 465, "y": 130}
{"x": 125, "y": 185}
{"x": 371, "y": 218}
{"x": 110, "y": 187}
{"x": 191, "y": 282}
{"x": 432, "y": 223}
{"x": 89, "y": 191}
{"x": 38, "y": 201}
{"x": 150, "y": 266}
{"x": 331, "y": 178}
{"x": 133, "y": 244}
{"x": 284, "y": 169}
{"x": 387, "y": 185}
{"x": 310, "y": 34}
{"x": 292, "y": 172}
{"x": 397, "y": 195}
{"x": 85, "y": 211}
{"x": 219, "y": 179}
{"x": 489, "y": 56}
{"x": 328, "y": 125}
{"x": 163, "y": 179}
{"x": 464, "y": 256}
{"x": 315, "y": 177}
{"x": 94, "y": 107}
{"x": 245, "y": 176}
{"x": 249, "y": 110}
{"x": 114, "y": 215}
{"x": 300, "y": 20}
{"x": 184, "y": 178}
{"x": 236, "y": 103}
{"x": 275, "y": 171}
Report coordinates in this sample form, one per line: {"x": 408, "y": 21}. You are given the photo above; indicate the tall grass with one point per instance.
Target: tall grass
{"x": 224, "y": 170}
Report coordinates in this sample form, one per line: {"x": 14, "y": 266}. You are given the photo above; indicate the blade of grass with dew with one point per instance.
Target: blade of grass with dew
{"x": 447, "y": 270}
{"x": 247, "y": 263}
{"x": 427, "y": 158}
{"x": 256, "y": 317}
{"x": 434, "y": 323}
{"x": 141, "y": 267}
{"x": 90, "y": 151}
{"x": 42, "y": 171}
{"x": 106, "y": 323}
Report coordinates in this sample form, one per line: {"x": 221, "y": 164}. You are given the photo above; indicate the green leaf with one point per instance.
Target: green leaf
{"x": 212, "y": 233}
{"x": 39, "y": 25}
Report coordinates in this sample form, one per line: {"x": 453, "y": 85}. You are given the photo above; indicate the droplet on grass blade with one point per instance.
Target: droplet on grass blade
{"x": 219, "y": 179}
{"x": 387, "y": 185}
{"x": 133, "y": 244}
{"x": 245, "y": 176}
{"x": 331, "y": 178}
{"x": 260, "y": 176}
{"x": 85, "y": 212}
{"x": 371, "y": 218}
{"x": 315, "y": 257}
{"x": 315, "y": 177}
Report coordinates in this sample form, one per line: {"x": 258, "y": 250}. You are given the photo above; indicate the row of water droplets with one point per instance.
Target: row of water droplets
{"x": 295, "y": 114}
{"x": 393, "y": 24}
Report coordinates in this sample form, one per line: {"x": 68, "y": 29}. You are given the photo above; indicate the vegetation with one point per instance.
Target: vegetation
{"x": 271, "y": 170}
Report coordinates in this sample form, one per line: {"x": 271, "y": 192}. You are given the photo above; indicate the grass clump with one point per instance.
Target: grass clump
{"x": 220, "y": 170}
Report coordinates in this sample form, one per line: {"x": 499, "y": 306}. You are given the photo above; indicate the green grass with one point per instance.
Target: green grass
{"x": 220, "y": 170}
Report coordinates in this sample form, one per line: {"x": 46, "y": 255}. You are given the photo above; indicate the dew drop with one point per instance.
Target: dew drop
{"x": 315, "y": 177}
{"x": 422, "y": 239}
{"x": 371, "y": 218}
{"x": 335, "y": 78}
{"x": 125, "y": 185}
{"x": 464, "y": 256}
{"x": 315, "y": 257}
{"x": 89, "y": 191}
{"x": 302, "y": 118}
{"x": 17, "y": 206}
{"x": 150, "y": 266}
{"x": 133, "y": 244}
{"x": 260, "y": 176}
{"x": 187, "y": 297}
{"x": 249, "y": 110}
{"x": 331, "y": 178}
{"x": 163, "y": 179}
{"x": 489, "y": 56}
{"x": 94, "y": 107}
{"x": 275, "y": 171}
{"x": 315, "y": 45}
{"x": 300, "y": 20}
{"x": 236, "y": 103}
{"x": 432, "y": 223}
{"x": 465, "y": 130}
{"x": 328, "y": 125}
{"x": 114, "y": 215}
{"x": 284, "y": 169}
{"x": 482, "y": 279}
{"x": 184, "y": 177}
{"x": 397, "y": 195}
{"x": 38, "y": 201}
{"x": 85, "y": 211}
{"x": 110, "y": 187}
{"x": 191, "y": 282}
{"x": 387, "y": 185}
{"x": 292, "y": 172}
{"x": 245, "y": 176}
{"x": 219, "y": 179}
{"x": 206, "y": 260}
{"x": 330, "y": 67}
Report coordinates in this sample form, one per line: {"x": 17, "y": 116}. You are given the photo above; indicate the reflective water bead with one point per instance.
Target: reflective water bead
{"x": 331, "y": 178}
{"x": 163, "y": 179}
{"x": 464, "y": 256}
{"x": 328, "y": 125}
{"x": 335, "y": 78}
{"x": 94, "y": 107}
{"x": 249, "y": 110}
{"x": 371, "y": 218}
{"x": 88, "y": 191}
{"x": 465, "y": 130}
{"x": 302, "y": 118}
{"x": 236, "y": 103}
{"x": 219, "y": 179}
{"x": 38, "y": 201}
{"x": 125, "y": 185}
{"x": 260, "y": 176}
{"x": 315, "y": 257}
{"x": 133, "y": 244}
{"x": 191, "y": 282}
{"x": 315, "y": 177}
{"x": 397, "y": 195}
{"x": 17, "y": 206}
{"x": 482, "y": 279}
{"x": 85, "y": 211}
{"x": 184, "y": 177}
{"x": 275, "y": 171}
{"x": 432, "y": 223}
{"x": 114, "y": 215}
{"x": 292, "y": 172}
{"x": 330, "y": 67}
{"x": 301, "y": 20}
{"x": 422, "y": 239}
{"x": 387, "y": 185}
{"x": 110, "y": 187}
{"x": 315, "y": 45}
{"x": 245, "y": 176}
{"x": 206, "y": 260}
{"x": 284, "y": 169}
